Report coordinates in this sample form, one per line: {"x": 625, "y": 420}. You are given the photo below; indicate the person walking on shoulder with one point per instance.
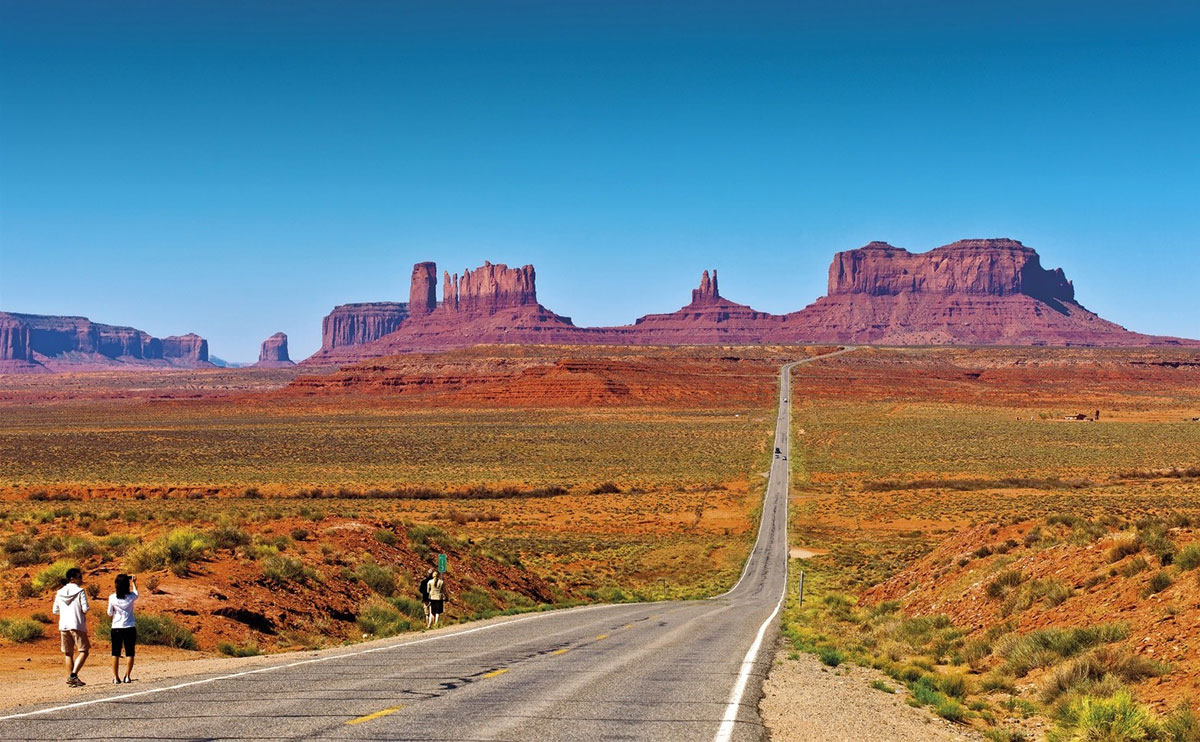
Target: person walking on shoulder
{"x": 437, "y": 596}
{"x": 124, "y": 628}
{"x": 424, "y": 589}
{"x": 71, "y": 607}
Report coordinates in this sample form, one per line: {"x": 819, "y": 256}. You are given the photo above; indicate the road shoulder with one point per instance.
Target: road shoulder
{"x": 803, "y": 700}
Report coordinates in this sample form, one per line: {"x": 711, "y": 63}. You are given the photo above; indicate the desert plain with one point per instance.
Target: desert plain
{"x": 966, "y": 525}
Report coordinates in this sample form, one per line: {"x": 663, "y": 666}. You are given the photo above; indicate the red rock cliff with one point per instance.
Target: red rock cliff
{"x": 488, "y": 289}
{"x": 66, "y": 341}
{"x": 707, "y": 293}
{"x": 998, "y": 267}
{"x": 356, "y": 324}
{"x": 274, "y": 351}
{"x": 190, "y": 347}
{"x": 422, "y": 292}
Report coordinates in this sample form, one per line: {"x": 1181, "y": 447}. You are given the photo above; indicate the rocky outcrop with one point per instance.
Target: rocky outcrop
{"x": 998, "y": 267}
{"x": 422, "y": 292}
{"x": 274, "y": 352}
{"x": 488, "y": 289}
{"x": 61, "y": 342}
{"x": 190, "y": 348}
{"x": 971, "y": 292}
{"x": 359, "y": 324}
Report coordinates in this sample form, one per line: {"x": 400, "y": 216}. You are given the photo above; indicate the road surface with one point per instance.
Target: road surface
{"x": 680, "y": 670}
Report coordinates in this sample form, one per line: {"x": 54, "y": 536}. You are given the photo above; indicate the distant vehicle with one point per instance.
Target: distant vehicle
{"x": 777, "y": 451}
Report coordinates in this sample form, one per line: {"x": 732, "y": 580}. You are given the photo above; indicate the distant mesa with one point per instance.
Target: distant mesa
{"x": 33, "y": 343}
{"x": 274, "y": 352}
{"x": 970, "y": 292}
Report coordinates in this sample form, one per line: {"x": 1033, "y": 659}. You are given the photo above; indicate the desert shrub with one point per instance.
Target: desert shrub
{"x": 515, "y": 600}
{"x": 1006, "y": 734}
{"x": 950, "y": 710}
{"x": 299, "y": 534}
{"x": 227, "y": 535}
{"x": 1117, "y": 719}
{"x": 284, "y": 569}
{"x": 230, "y": 649}
{"x": 882, "y": 686}
{"x": 1133, "y": 566}
{"x": 82, "y": 548}
{"x": 831, "y": 656}
{"x": 1087, "y": 673}
{"x": 1003, "y": 582}
{"x": 22, "y": 551}
{"x": 178, "y": 550}
{"x": 386, "y": 536}
{"x": 380, "y": 579}
{"x": 953, "y": 685}
{"x": 975, "y": 651}
{"x": 41, "y": 617}
{"x": 1125, "y": 546}
{"x": 1189, "y": 556}
{"x": 982, "y": 551}
{"x": 477, "y": 601}
{"x": 998, "y": 680}
{"x": 381, "y": 619}
{"x": 410, "y": 607}
{"x": 606, "y": 488}
{"x": 1159, "y": 581}
{"x": 1045, "y": 647}
{"x": 1180, "y": 725}
{"x": 52, "y": 577}
{"x": 20, "y": 629}
{"x": 158, "y": 630}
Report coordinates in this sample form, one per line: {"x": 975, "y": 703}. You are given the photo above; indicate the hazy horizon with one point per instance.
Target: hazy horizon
{"x": 236, "y": 170}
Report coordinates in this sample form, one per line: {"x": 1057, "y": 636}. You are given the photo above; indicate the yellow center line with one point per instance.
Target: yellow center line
{"x": 627, "y": 626}
{"x": 601, "y": 636}
{"x": 494, "y": 673}
{"x": 375, "y": 715}
{"x": 561, "y": 651}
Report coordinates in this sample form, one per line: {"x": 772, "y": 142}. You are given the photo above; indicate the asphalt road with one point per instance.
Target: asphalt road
{"x": 681, "y": 670}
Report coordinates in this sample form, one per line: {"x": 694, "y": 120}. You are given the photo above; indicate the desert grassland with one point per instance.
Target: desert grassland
{"x": 319, "y": 515}
{"x": 1010, "y": 569}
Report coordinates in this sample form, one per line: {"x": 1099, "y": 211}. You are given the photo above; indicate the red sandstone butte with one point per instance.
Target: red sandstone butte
{"x": 971, "y": 292}
{"x": 274, "y": 352}
{"x": 36, "y": 342}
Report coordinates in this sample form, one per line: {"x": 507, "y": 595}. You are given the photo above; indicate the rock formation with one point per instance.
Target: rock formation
{"x": 983, "y": 292}
{"x": 35, "y": 342}
{"x": 358, "y": 324}
{"x": 274, "y": 352}
{"x": 422, "y": 292}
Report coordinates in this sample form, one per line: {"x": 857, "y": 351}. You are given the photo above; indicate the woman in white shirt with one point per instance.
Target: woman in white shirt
{"x": 124, "y": 628}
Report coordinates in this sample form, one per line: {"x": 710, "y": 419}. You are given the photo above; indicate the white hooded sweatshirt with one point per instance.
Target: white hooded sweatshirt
{"x": 71, "y": 605}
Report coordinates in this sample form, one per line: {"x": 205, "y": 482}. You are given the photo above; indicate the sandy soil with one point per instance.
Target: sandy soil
{"x": 804, "y": 700}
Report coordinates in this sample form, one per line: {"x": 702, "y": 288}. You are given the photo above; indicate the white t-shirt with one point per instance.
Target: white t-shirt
{"x": 121, "y": 610}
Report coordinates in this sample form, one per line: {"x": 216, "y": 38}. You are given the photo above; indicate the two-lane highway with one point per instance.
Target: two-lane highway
{"x": 679, "y": 670}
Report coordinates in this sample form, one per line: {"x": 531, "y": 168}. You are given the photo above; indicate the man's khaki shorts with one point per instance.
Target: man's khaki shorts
{"x": 74, "y": 640}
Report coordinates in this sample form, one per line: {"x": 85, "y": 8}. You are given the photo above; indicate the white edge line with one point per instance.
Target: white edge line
{"x": 272, "y": 668}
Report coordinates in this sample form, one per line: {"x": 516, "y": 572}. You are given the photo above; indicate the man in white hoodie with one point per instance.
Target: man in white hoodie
{"x": 71, "y": 607}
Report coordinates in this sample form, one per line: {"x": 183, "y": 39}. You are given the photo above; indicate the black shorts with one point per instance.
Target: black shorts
{"x": 124, "y": 638}
{"x": 435, "y": 607}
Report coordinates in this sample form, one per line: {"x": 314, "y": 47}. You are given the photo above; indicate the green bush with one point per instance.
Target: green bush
{"x": 950, "y": 710}
{"x": 410, "y": 607}
{"x": 1102, "y": 668}
{"x": 1123, "y": 548}
{"x": 284, "y": 569}
{"x": 386, "y": 536}
{"x": 1181, "y": 725}
{"x": 53, "y": 577}
{"x": 477, "y": 601}
{"x": 1003, "y": 582}
{"x": 232, "y": 650}
{"x": 831, "y": 656}
{"x": 20, "y": 629}
{"x": 1045, "y": 647}
{"x": 178, "y": 550}
{"x": 1158, "y": 582}
{"x": 1189, "y": 557}
{"x": 227, "y": 535}
{"x": 380, "y": 579}
{"x": 381, "y": 619}
{"x": 954, "y": 685}
{"x": 1114, "y": 719}
{"x": 157, "y": 630}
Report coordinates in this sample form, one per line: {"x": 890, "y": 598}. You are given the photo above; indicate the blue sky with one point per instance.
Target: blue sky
{"x": 235, "y": 169}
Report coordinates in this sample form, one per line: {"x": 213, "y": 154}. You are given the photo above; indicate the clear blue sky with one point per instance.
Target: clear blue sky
{"x": 238, "y": 168}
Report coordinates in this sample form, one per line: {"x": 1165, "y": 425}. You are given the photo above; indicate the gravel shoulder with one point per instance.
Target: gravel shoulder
{"x": 803, "y": 700}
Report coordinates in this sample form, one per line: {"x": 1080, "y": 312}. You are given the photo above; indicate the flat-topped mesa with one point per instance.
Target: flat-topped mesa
{"x": 422, "y": 292}
{"x": 707, "y": 293}
{"x": 190, "y": 347}
{"x": 274, "y": 352}
{"x": 993, "y": 267}
{"x": 358, "y": 324}
{"x": 489, "y": 289}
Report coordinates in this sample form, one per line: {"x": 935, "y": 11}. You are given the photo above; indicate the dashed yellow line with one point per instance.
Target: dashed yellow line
{"x": 494, "y": 673}
{"x": 561, "y": 651}
{"x": 376, "y": 715}
{"x": 601, "y": 636}
{"x": 627, "y": 626}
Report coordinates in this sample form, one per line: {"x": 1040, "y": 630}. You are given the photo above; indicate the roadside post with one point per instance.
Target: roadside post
{"x": 801, "y": 597}
{"x": 442, "y": 563}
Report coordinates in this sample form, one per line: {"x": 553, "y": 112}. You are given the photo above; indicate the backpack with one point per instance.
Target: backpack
{"x": 424, "y": 589}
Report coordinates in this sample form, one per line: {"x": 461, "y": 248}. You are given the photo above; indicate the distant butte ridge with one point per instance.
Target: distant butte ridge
{"x": 33, "y": 343}
{"x": 971, "y": 292}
